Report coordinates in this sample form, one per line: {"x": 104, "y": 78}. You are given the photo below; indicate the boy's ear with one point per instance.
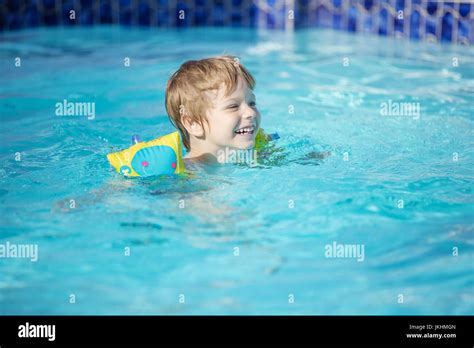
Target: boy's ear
{"x": 194, "y": 128}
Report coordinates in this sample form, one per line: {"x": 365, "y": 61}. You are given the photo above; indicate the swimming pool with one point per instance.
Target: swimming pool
{"x": 236, "y": 239}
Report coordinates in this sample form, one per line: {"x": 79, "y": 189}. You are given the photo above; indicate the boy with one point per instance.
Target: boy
{"x": 211, "y": 102}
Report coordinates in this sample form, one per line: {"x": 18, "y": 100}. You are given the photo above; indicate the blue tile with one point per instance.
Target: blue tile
{"x": 383, "y": 22}
{"x": 50, "y": 20}
{"x": 399, "y": 5}
{"x": 125, "y": 3}
{"x": 414, "y": 25}
{"x": 398, "y": 24}
{"x": 87, "y": 4}
{"x": 32, "y": 19}
{"x": 163, "y": 18}
{"x": 105, "y": 13}
{"x": 49, "y": 4}
{"x": 368, "y": 4}
{"x": 185, "y": 21}
{"x": 465, "y": 9}
{"x": 352, "y": 20}
{"x": 270, "y": 21}
{"x": 300, "y": 18}
{"x": 236, "y": 18}
{"x": 65, "y": 16}
{"x": 144, "y": 14}
{"x": 323, "y": 17}
{"x": 14, "y": 22}
{"x": 430, "y": 26}
{"x": 218, "y": 15}
{"x": 3, "y": 17}
{"x": 12, "y": 6}
{"x": 253, "y": 16}
{"x": 337, "y": 22}
{"x": 200, "y": 17}
{"x": 432, "y": 7}
{"x": 125, "y": 17}
{"x": 463, "y": 29}
{"x": 447, "y": 27}
{"x": 86, "y": 17}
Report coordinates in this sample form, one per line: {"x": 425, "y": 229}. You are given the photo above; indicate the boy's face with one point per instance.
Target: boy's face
{"x": 233, "y": 121}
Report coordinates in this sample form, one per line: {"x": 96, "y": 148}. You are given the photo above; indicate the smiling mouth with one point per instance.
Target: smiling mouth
{"x": 245, "y": 130}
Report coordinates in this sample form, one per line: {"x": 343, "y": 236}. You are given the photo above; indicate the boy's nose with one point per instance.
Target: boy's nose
{"x": 250, "y": 112}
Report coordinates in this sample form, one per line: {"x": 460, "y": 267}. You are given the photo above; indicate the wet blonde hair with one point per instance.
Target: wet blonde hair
{"x": 187, "y": 87}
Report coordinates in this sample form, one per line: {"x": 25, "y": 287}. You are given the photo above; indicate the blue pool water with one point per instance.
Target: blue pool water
{"x": 61, "y": 194}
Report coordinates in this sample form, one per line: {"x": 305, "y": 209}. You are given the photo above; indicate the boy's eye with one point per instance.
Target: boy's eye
{"x": 233, "y": 106}
{"x": 253, "y": 104}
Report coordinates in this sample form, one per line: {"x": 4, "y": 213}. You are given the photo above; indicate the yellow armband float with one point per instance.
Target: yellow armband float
{"x": 161, "y": 156}
{"x": 262, "y": 139}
